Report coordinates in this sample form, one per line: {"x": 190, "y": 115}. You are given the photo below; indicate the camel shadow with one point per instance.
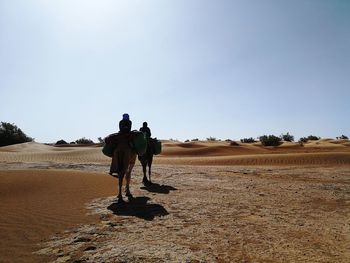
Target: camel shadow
{"x": 138, "y": 207}
{"x": 157, "y": 188}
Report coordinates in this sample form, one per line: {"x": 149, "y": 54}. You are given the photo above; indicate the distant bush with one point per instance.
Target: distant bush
{"x": 313, "y": 138}
{"x": 248, "y": 140}
{"x": 303, "y": 140}
{"x": 195, "y": 140}
{"x": 308, "y": 138}
{"x": 11, "y": 134}
{"x": 270, "y": 140}
{"x": 72, "y": 143}
{"x": 233, "y": 143}
{"x": 228, "y": 140}
{"x": 60, "y": 142}
{"x": 211, "y": 139}
{"x": 343, "y": 137}
{"x": 287, "y": 137}
{"x": 84, "y": 141}
{"x": 187, "y": 141}
{"x": 100, "y": 140}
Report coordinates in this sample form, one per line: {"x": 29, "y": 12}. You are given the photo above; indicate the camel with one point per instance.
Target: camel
{"x": 123, "y": 161}
{"x": 146, "y": 160}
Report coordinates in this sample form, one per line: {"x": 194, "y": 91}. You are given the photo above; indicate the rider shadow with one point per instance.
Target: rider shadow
{"x": 157, "y": 188}
{"x": 138, "y": 207}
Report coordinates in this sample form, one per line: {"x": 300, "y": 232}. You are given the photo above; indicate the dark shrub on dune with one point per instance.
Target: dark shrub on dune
{"x": 303, "y": 140}
{"x": 287, "y": 137}
{"x": 84, "y": 141}
{"x": 308, "y": 138}
{"x": 248, "y": 140}
{"x": 313, "y": 138}
{"x": 233, "y": 143}
{"x": 270, "y": 140}
{"x": 60, "y": 142}
{"x": 11, "y": 134}
{"x": 343, "y": 137}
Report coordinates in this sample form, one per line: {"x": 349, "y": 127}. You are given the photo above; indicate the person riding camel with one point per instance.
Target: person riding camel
{"x": 145, "y": 129}
{"x": 125, "y": 124}
{"x": 123, "y": 139}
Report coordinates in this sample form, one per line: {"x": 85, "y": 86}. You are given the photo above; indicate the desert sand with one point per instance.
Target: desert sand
{"x": 211, "y": 202}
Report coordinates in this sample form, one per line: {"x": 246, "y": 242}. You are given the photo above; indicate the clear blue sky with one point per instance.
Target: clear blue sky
{"x": 191, "y": 68}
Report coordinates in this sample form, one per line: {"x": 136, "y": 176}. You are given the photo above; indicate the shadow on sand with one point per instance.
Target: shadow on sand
{"x": 138, "y": 207}
{"x": 157, "y": 188}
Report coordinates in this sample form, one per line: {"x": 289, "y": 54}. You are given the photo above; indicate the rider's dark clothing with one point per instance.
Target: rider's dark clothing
{"x": 147, "y": 131}
{"x": 125, "y": 126}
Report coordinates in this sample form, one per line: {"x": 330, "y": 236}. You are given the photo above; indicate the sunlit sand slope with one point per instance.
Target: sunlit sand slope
{"x": 35, "y": 152}
{"x": 36, "y": 204}
{"x": 329, "y": 152}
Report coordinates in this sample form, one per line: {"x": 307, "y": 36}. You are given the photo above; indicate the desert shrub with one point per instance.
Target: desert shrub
{"x": 248, "y": 140}
{"x": 233, "y": 143}
{"x": 313, "y": 138}
{"x": 270, "y": 140}
{"x": 287, "y": 137}
{"x": 11, "y": 134}
{"x": 303, "y": 140}
{"x": 195, "y": 140}
{"x": 343, "y": 137}
{"x": 72, "y": 143}
{"x": 187, "y": 141}
{"x": 308, "y": 138}
{"x": 60, "y": 142}
{"x": 84, "y": 141}
{"x": 100, "y": 140}
{"x": 211, "y": 139}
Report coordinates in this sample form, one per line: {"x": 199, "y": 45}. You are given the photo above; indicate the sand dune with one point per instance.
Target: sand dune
{"x": 211, "y": 153}
{"x": 329, "y": 152}
{"x": 266, "y": 159}
{"x": 209, "y": 149}
{"x": 27, "y": 147}
{"x": 36, "y": 152}
{"x": 38, "y": 204}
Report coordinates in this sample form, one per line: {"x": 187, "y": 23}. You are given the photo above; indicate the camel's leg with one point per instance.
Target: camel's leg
{"x": 121, "y": 174}
{"x": 127, "y": 183}
{"x": 120, "y": 197}
{"x": 149, "y": 167}
{"x": 149, "y": 172}
{"x": 128, "y": 175}
{"x": 144, "y": 169}
{"x": 113, "y": 168}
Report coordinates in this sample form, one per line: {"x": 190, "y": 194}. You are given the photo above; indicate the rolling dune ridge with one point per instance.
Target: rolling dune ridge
{"x": 212, "y": 153}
